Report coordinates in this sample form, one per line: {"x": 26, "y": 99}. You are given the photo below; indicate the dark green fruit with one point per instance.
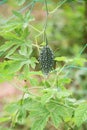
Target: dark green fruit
{"x": 46, "y": 59}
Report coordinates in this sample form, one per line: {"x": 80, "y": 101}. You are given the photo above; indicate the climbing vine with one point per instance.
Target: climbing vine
{"x": 52, "y": 104}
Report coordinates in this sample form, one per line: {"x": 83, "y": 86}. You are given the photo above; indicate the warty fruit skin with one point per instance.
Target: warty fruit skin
{"x": 46, "y": 59}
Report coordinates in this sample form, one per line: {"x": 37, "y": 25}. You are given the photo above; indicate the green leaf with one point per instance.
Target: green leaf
{"x": 12, "y": 108}
{"x": 33, "y": 81}
{"x": 12, "y": 50}
{"x": 62, "y": 58}
{"x": 29, "y": 49}
{"x": 38, "y": 113}
{"x": 13, "y": 67}
{"x": 20, "y": 2}
{"x": 1, "y": 53}
{"x": 35, "y": 107}
{"x": 9, "y": 67}
{"x": 63, "y": 81}
{"x": 26, "y": 33}
{"x": 55, "y": 114}
{"x": 4, "y": 119}
{"x": 59, "y": 112}
{"x": 40, "y": 123}
{"x": 18, "y": 14}
{"x": 47, "y": 95}
{"x": 16, "y": 57}
{"x": 48, "y": 85}
{"x": 6, "y": 46}
{"x": 80, "y": 114}
{"x": 43, "y": 44}
{"x": 11, "y": 37}
{"x": 33, "y": 62}
{"x": 79, "y": 61}
{"x": 55, "y": 119}
{"x": 10, "y": 26}
{"x": 23, "y": 50}
{"x": 63, "y": 94}
{"x": 21, "y": 115}
{"x": 46, "y": 98}
{"x": 31, "y": 105}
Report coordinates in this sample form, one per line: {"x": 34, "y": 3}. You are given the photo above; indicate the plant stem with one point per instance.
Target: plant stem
{"x": 45, "y": 26}
{"x": 59, "y": 5}
{"x": 46, "y": 14}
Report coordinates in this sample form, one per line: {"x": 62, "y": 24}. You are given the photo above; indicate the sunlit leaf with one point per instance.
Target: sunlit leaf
{"x": 4, "y": 119}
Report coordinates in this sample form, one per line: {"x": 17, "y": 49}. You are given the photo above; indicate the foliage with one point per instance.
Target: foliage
{"x": 52, "y": 103}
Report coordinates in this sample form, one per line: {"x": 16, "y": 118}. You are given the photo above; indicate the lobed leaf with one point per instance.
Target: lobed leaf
{"x": 80, "y": 114}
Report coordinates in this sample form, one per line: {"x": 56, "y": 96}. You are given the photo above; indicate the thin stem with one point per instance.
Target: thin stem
{"x": 46, "y": 15}
{"x": 43, "y": 32}
{"x": 83, "y": 49}
{"x": 34, "y": 28}
{"x": 45, "y": 26}
{"x": 61, "y": 3}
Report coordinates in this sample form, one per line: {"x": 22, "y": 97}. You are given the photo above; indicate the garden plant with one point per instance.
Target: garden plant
{"x": 26, "y": 53}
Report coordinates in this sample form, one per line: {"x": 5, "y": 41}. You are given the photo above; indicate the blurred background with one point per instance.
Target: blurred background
{"x": 67, "y": 35}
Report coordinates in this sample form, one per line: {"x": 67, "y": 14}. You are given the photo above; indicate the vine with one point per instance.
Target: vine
{"x": 52, "y": 103}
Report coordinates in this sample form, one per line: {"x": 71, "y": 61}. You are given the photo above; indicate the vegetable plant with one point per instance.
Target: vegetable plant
{"x": 52, "y": 103}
